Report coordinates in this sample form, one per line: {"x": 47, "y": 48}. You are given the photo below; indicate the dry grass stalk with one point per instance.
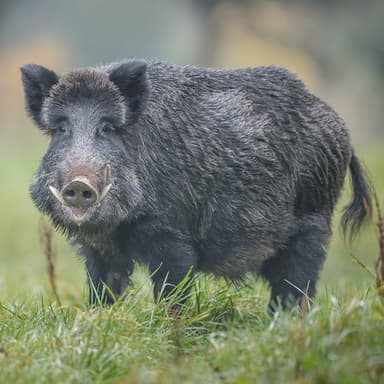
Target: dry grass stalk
{"x": 46, "y": 239}
{"x": 304, "y": 306}
{"x": 380, "y": 234}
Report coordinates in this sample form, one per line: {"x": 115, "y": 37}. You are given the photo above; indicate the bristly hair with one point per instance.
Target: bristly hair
{"x": 84, "y": 84}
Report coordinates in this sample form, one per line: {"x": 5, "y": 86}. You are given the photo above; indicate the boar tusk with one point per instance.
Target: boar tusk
{"x": 57, "y": 194}
{"x": 107, "y": 172}
{"x": 104, "y": 192}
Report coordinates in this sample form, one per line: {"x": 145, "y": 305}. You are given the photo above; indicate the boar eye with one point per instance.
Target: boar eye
{"x": 107, "y": 128}
{"x": 60, "y": 126}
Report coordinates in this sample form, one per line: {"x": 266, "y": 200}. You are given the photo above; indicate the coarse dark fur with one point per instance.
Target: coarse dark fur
{"x": 220, "y": 171}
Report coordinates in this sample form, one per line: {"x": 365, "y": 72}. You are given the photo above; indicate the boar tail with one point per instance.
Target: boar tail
{"x": 360, "y": 208}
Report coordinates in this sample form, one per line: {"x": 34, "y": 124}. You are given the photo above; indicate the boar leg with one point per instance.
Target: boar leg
{"x": 171, "y": 262}
{"x": 106, "y": 277}
{"x": 294, "y": 270}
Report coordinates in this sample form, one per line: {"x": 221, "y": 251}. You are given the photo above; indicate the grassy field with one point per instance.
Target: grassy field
{"x": 224, "y": 335}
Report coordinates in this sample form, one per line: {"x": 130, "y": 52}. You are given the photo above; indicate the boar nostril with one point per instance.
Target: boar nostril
{"x": 87, "y": 194}
{"x": 79, "y": 194}
{"x": 69, "y": 193}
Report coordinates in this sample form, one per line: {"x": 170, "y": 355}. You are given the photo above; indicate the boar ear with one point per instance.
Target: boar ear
{"x": 131, "y": 79}
{"x": 37, "y": 82}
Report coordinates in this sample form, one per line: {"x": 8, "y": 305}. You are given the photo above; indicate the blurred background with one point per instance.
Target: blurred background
{"x": 335, "y": 46}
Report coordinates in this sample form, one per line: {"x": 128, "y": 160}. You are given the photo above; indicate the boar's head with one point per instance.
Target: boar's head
{"x": 87, "y": 176}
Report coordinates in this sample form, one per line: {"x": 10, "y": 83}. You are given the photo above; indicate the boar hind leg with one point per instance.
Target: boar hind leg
{"x": 294, "y": 269}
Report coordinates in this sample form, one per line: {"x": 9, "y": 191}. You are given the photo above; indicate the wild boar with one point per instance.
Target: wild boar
{"x": 188, "y": 169}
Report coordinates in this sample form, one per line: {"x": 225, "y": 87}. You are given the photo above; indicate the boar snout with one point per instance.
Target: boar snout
{"x": 79, "y": 193}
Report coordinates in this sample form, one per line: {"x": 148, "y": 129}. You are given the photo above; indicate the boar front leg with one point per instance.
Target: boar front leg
{"x": 170, "y": 260}
{"x": 107, "y": 278}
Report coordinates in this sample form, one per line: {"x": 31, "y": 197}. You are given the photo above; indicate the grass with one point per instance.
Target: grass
{"x": 227, "y": 338}
{"x": 224, "y": 335}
